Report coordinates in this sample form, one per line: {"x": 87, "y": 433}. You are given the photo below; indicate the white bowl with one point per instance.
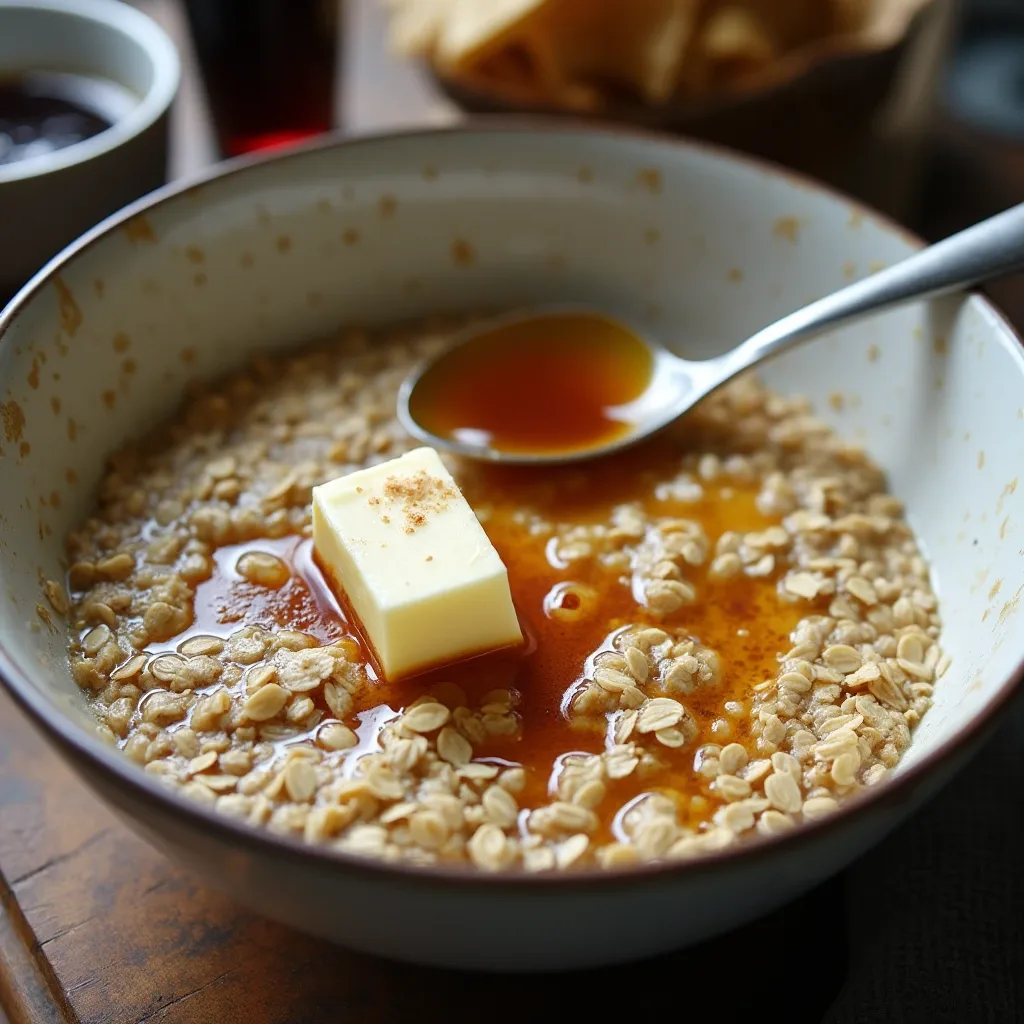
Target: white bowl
{"x": 50, "y": 200}
{"x": 935, "y": 392}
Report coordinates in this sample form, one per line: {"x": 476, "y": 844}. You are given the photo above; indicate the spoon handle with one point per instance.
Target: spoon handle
{"x": 987, "y": 250}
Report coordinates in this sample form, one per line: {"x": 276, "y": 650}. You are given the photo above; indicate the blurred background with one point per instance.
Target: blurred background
{"x": 916, "y": 106}
{"x": 926, "y": 121}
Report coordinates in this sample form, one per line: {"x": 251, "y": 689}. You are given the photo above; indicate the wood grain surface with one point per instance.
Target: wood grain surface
{"x": 95, "y": 926}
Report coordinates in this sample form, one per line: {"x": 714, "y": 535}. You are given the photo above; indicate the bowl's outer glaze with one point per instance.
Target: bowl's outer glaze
{"x": 682, "y": 242}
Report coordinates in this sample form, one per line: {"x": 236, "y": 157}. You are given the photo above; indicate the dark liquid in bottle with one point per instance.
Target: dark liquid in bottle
{"x": 45, "y": 111}
{"x": 268, "y": 67}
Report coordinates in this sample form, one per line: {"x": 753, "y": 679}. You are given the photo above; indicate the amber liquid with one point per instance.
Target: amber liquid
{"x": 544, "y": 385}
{"x": 742, "y": 619}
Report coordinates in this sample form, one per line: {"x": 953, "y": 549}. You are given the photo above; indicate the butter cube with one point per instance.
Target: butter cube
{"x": 414, "y": 563}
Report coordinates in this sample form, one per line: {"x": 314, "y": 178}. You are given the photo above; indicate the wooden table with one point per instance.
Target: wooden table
{"x": 95, "y": 926}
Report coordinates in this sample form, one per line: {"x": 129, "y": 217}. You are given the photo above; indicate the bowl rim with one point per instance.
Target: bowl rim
{"x": 78, "y": 744}
{"x": 134, "y": 27}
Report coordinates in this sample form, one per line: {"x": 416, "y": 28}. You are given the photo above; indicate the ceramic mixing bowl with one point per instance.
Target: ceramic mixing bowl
{"x": 696, "y": 246}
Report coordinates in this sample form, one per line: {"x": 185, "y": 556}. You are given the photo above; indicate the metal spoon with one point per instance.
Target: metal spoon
{"x": 985, "y": 251}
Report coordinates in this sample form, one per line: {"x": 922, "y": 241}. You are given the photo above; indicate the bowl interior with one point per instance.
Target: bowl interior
{"x": 690, "y": 246}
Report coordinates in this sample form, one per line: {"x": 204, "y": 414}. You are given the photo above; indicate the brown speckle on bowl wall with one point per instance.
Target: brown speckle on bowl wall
{"x": 463, "y": 253}
{"x": 13, "y": 417}
{"x": 70, "y": 314}
{"x": 849, "y": 271}
{"x": 787, "y": 228}
{"x": 284, "y": 243}
{"x": 940, "y": 346}
{"x": 1008, "y": 490}
{"x": 55, "y": 405}
{"x": 33, "y": 375}
{"x": 650, "y": 179}
{"x": 387, "y": 205}
{"x": 585, "y": 175}
{"x": 856, "y": 219}
{"x": 245, "y": 260}
{"x": 199, "y": 279}
{"x": 72, "y": 429}
{"x": 652, "y": 236}
{"x": 429, "y": 173}
{"x": 187, "y": 355}
{"x": 981, "y": 460}
{"x": 139, "y": 229}
{"x": 194, "y": 254}
{"x": 735, "y": 275}
{"x": 350, "y": 236}
{"x": 1010, "y": 605}
{"x": 99, "y": 287}
{"x": 109, "y": 398}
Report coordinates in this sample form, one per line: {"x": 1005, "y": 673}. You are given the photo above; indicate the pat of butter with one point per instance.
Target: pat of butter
{"x": 414, "y": 563}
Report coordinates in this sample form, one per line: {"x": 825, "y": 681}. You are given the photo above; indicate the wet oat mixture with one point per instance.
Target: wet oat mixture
{"x": 730, "y": 630}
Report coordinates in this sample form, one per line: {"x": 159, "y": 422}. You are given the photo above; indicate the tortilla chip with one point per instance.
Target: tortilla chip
{"x": 735, "y": 42}
{"x": 635, "y": 47}
{"x": 504, "y": 42}
{"x": 849, "y": 15}
{"x": 789, "y": 23}
{"x": 584, "y": 54}
{"x": 415, "y": 24}
{"x": 475, "y": 29}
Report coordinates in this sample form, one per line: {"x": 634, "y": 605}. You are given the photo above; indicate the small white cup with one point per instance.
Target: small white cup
{"x": 48, "y": 201}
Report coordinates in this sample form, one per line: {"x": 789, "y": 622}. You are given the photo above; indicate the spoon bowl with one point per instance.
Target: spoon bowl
{"x": 550, "y": 385}
{"x": 504, "y": 372}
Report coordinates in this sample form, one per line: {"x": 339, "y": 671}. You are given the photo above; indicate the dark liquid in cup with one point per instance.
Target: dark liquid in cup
{"x": 45, "y": 111}
{"x": 268, "y": 67}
